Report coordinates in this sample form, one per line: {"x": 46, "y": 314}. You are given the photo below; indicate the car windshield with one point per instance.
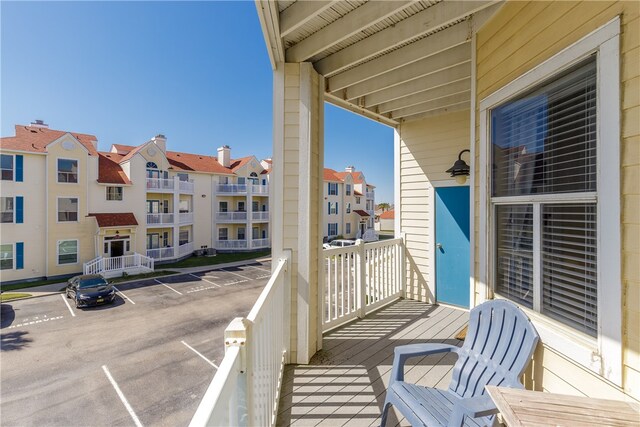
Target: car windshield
{"x": 92, "y": 283}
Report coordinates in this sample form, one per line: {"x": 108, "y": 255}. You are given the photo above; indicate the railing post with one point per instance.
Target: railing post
{"x": 361, "y": 287}
{"x": 402, "y": 268}
{"x": 286, "y": 338}
{"x": 238, "y": 334}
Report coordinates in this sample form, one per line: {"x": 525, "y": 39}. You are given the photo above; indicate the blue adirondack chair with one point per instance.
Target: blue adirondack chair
{"x": 498, "y": 347}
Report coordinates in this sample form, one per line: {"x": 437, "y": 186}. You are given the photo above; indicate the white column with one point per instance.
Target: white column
{"x": 249, "y": 231}
{"x": 296, "y": 195}
{"x": 176, "y": 215}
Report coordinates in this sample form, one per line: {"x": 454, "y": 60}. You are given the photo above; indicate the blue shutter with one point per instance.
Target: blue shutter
{"x": 329, "y": 208}
{"x": 337, "y": 208}
{"x": 19, "y": 210}
{"x": 19, "y": 167}
{"x": 19, "y": 256}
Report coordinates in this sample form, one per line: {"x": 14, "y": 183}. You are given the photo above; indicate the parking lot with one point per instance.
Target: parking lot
{"x": 145, "y": 360}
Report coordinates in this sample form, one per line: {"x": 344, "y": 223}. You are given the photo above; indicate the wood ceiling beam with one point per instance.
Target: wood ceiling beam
{"x": 301, "y": 12}
{"x": 437, "y": 112}
{"x": 353, "y": 22}
{"x": 339, "y": 102}
{"x": 423, "y": 48}
{"x": 436, "y": 104}
{"x": 457, "y": 87}
{"x": 449, "y": 58}
{"x": 431, "y": 19}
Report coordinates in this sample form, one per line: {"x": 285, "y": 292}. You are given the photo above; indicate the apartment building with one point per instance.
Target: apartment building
{"x": 349, "y": 204}
{"x": 65, "y": 204}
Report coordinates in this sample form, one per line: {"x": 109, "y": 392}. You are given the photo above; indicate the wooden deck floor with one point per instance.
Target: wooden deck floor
{"x": 345, "y": 383}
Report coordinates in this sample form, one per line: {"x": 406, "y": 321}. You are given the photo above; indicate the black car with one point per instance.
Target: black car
{"x": 90, "y": 289}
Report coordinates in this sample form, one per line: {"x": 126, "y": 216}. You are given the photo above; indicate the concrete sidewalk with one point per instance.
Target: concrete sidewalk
{"x": 57, "y": 288}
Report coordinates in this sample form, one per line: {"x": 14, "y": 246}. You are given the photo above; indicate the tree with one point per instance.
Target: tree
{"x": 384, "y": 206}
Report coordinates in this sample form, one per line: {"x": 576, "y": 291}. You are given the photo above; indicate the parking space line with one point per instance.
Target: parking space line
{"x": 167, "y": 286}
{"x": 208, "y": 281}
{"x": 200, "y": 354}
{"x": 121, "y": 396}
{"x": 123, "y": 295}
{"x": 244, "y": 277}
{"x": 64, "y": 298}
{"x": 258, "y": 268}
{"x": 35, "y": 321}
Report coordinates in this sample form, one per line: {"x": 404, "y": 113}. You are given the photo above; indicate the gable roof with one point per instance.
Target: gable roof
{"x": 114, "y": 219}
{"x": 238, "y": 163}
{"x": 331, "y": 175}
{"x": 35, "y": 139}
{"x": 133, "y": 152}
{"x": 387, "y": 215}
{"x": 109, "y": 169}
{"x": 122, "y": 148}
{"x": 361, "y": 212}
{"x": 196, "y": 163}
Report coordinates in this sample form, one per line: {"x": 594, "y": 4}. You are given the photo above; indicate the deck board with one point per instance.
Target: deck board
{"x": 345, "y": 383}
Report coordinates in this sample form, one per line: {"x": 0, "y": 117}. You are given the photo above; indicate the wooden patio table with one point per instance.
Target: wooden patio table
{"x": 536, "y": 408}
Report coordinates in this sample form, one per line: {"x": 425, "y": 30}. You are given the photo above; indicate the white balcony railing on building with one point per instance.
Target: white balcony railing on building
{"x": 246, "y": 387}
{"x": 116, "y": 266}
{"x": 159, "y": 218}
{"x": 260, "y": 189}
{"x": 370, "y": 195}
{"x": 185, "y": 217}
{"x": 260, "y": 216}
{"x": 260, "y": 243}
{"x": 160, "y": 184}
{"x": 359, "y": 279}
{"x": 186, "y": 186}
{"x": 231, "y": 216}
{"x": 231, "y": 188}
{"x": 231, "y": 244}
{"x": 161, "y": 253}
{"x": 185, "y": 249}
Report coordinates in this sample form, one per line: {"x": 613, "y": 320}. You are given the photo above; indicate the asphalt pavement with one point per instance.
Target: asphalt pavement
{"x": 145, "y": 360}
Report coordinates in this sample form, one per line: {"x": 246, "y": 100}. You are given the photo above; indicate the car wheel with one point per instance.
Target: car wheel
{"x": 77, "y": 304}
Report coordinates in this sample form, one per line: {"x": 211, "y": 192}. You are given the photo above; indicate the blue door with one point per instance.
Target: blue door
{"x": 452, "y": 245}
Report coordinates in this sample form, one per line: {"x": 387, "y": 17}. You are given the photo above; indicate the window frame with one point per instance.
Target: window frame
{"x": 13, "y": 211}
{"x": 226, "y": 234}
{"x": 109, "y": 187}
{"x": 58, "y": 171}
{"x": 332, "y": 189}
{"x": 603, "y": 354}
{"x": 58, "y": 209}
{"x": 13, "y": 167}
{"x": 58, "y": 252}
{"x": 13, "y": 256}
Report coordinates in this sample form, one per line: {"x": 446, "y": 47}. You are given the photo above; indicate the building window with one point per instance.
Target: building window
{"x": 151, "y": 165}
{"x": 183, "y": 237}
{"x": 67, "y": 170}
{"x": 183, "y": 176}
{"x": 333, "y": 229}
{"x": 223, "y": 206}
{"x": 241, "y": 207}
{"x": 333, "y": 208}
{"x": 348, "y": 207}
{"x": 114, "y": 193}
{"x": 544, "y": 198}
{"x": 255, "y": 233}
{"x": 241, "y": 180}
{"x": 6, "y": 257}
{"x": 347, "y": 228}
{"x": 6, "y": 167}
{"x": 348, "y": 190}
{"x": 333, "y": 189}
{"x": 6, "y": 206}
{"x": 358, "y": 200}
{"x": 255, "y": 206}
{"x": 223, "y": 234}
{"x": 67, "y": 209}
{"x": 223, "y": 180}
{"x": 67, "y": 251}
{"x": 241, "y": 233}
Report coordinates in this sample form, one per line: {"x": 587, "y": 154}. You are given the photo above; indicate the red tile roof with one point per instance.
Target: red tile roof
{"x": 357, "y": 176}
{"x": 109, "y": 170}
{"x": 238, "y": 163}
{"x": 114, "y": 219}
{"x": 195, "y": 163}
{"x": 36, "y": 139}
{"x": 387, "y": 215}
{"x": 331, "y": 175}
{"x": 132, "y": 153}
{"x": 361, "y": 212}
{"x": 123, "y": 148}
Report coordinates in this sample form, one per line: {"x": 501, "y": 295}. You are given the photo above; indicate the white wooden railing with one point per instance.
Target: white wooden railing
{"x": 185, "y": 217}
{"x": 245, "y": 390}
{"x": 231, "y": 188}
{"x": 260, "y": 189}
{"x": 159, "y": 184}
{"x": 231, "y": 244}
{"x": 260, "y": 216}
{"x": 159, "y": 218}
{"x": 185, "y": 249}
{"x": 260, "y": 243}
{"x": 231, "y": 216}
{"x": 359, "y": 279}
{"x": 113, "y": 266}
{"x": 160, "y": 253}
{"x": 185, "y": 186}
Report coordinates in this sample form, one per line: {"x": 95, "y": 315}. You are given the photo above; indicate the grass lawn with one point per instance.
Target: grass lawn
{"x": 22, "y": 285}
{"x": 218, "y": 259}
{"x": 141, "y": 276}
{"x": 9, "y": 296}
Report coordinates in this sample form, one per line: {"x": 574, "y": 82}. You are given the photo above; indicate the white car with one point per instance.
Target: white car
{"x": 338, "y": 244}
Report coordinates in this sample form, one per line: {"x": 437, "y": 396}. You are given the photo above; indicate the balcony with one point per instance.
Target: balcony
{"x": 371, "y": 195}
{"x": 186, "y": 187}
{"x": 231, "y": 244}
{"x": 231, "y": 216}
{"x": 231, "y": 189}
{"x": 260, "y": 243}
{"x": 161, "y": 253}
{"x": 185, "y": 249}
{"x": 260, "y": 216}
{"x": 159, "y": 219}
{"x": 185, "y": 218}
{"x": 262, "y": 190}
{"x": 160, "y": 185}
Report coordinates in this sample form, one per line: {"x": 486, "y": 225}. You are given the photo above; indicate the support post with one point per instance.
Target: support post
{"x": 403, "y": 265}
{"x": 238, "y": 334}
{"x": 362, "y": 278}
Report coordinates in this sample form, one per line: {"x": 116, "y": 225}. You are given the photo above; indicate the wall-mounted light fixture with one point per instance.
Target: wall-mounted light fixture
{"x": 460, "y": 169}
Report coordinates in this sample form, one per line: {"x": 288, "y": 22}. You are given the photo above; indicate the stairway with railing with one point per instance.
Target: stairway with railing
{"x": 115, "y": 266}
{"x": 354, "y": 281}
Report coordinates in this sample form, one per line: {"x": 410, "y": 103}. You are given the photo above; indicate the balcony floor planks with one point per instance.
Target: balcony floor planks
{"x": 345, "y": 383}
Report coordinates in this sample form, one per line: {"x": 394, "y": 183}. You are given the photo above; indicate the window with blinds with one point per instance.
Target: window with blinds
{"x": 544, "y": 197}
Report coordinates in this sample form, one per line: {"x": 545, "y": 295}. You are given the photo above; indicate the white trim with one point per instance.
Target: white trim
{"x": 58, "y": 171}
{"x": 13, "y": 256}
{"x": 58, "y": 252}
{"x": 397, "y": 142}
{"x": 58, "y": 209}
{"x": 106, "y": 195}
{"x": 605, "y": 356}
{"x": 13, "y": 167}
{"x": 472, "y": 177}
{"x": 13, "y": 217}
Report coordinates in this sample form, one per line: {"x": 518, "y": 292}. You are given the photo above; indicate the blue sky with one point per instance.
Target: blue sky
{"x": 197, "y": 72}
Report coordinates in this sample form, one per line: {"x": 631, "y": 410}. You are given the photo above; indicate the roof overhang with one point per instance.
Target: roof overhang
{"x": 390, "y": 61}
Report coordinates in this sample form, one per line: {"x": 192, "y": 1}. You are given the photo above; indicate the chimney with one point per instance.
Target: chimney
{"x": 350, "y": 169}
{"x": 161, "y": 141}
{"x": 266, "y": 163}
{"x": 39, "y": 124}
{"x": 224, "y": 156}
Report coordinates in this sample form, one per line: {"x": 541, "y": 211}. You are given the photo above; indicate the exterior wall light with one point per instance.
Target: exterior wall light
{"x": 460, "y": 169}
